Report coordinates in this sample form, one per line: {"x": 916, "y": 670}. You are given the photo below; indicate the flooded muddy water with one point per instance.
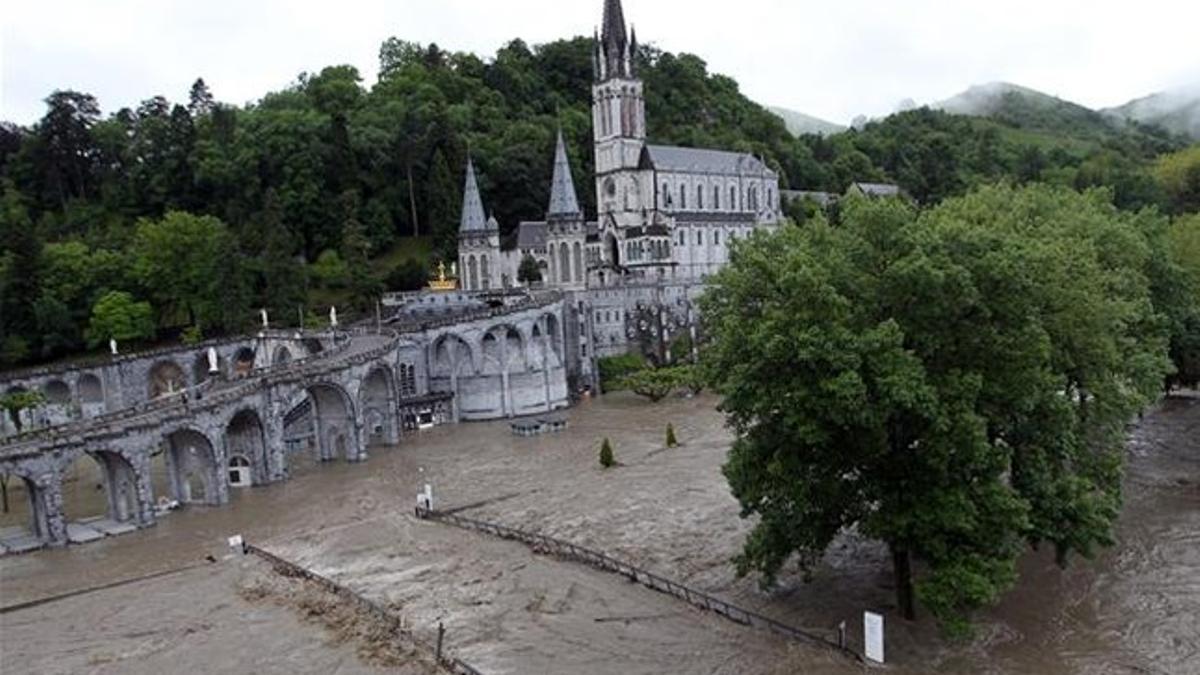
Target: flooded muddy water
{"x": 1135, "y": 608}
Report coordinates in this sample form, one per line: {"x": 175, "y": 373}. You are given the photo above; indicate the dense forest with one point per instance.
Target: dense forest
{"x": 184, "y": 217}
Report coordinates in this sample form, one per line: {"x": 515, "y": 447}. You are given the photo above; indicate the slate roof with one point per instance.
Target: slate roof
{"x": 704, "y": 217}
{"x": 822, "y": 198}
{"x": 563, "y": 202}
{"x": 699, "y": 160}
{"x": 531, "y": 235}
{"x": 878, "y": 189}
{"x": 473, "y": 219}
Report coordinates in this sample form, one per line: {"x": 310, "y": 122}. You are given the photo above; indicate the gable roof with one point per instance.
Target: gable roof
{"x": 700, "y": 160}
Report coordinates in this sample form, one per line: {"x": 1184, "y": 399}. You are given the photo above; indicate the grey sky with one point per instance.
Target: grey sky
{"x": 833, "y": 59}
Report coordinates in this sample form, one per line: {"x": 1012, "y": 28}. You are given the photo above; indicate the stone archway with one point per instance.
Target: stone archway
{"x": 32, "y": 511}
{"x": 281, "y": 356}
{"x": 91, "y": 390}
{"x": 243, "y": 362}
{"x": 377, "y": 400}
{"x": 245, "y": 437}
{"x": 121, "y": 485}
{"x": 57, "y": 393}
{"x": 166, "y": 378}
{"x": 335, "y": 424}
{"x": 193, "y": 469}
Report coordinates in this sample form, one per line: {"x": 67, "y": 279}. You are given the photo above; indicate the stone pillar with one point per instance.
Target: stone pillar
{"x": 145, "y": 516}
{"x": 48, "y": 510}
{"x": 275, "y": 450}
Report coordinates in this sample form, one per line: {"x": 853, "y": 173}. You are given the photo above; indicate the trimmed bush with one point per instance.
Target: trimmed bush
{"x": 606, "y": 455}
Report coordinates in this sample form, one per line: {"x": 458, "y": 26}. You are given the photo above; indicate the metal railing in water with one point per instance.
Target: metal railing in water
{"x": 290, "y": 569}
{"x": 607, "y": 563}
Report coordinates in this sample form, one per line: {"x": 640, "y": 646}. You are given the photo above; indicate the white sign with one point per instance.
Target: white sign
{"x": 236, "y": 543}
{"x": 873, "y": 636}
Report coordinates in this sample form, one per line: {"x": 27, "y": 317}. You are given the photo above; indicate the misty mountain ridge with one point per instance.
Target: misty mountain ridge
{"x": 800, "y": 123}
{"x": 1177, "y": 110}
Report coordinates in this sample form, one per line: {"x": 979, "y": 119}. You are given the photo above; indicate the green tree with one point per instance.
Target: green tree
{"x": 956, "y": 384}
{"x": 119, "y": 317}
{"x": 21, "y": 286}
{"x": 654, "y": 383}
{"x": 1179, "y": 175}
{"x": 443, "y": 201}
{"x": 529, "y": 271}
{"x": 189, "y": 266}
{"x": 607, "y": 460}
{"x": 16, "y": 402}
{"x": 364, "y": 288}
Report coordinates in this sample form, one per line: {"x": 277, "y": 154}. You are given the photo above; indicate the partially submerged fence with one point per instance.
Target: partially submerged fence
{"x": 564, "y": 549}
{"x": 291, "y": 569}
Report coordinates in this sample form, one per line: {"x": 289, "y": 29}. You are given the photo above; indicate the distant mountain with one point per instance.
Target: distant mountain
{"x": 799, "y": 124}
{"x": 1177, "y": 111}
{"x": 1030, "y": 109}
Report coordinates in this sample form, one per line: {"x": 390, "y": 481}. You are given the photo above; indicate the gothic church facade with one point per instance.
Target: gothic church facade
{"x": 666, "y": 217}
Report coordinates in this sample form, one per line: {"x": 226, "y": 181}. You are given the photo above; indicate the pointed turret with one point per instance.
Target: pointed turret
{"x": 633, "y": 46}
{"x": 473, "y": 219}
{"x": 614, "y": 40}
{"x": 563, "y": 203}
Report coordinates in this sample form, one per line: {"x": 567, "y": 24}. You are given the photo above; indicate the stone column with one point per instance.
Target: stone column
{"x": 48, "y": 509}
{"x": 275, "y": 450}
{"x": 145, "y": 516}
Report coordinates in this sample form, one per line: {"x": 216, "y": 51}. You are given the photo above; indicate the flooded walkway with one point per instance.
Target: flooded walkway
{"x": 1135, "y": 608}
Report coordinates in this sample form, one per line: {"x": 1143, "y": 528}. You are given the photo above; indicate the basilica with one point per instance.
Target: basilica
{"x": 665, "y": 217}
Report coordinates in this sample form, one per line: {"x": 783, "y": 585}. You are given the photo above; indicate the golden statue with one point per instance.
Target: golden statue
{"x": 442, "y": 283}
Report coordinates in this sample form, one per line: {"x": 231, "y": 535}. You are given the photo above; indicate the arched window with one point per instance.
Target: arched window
{"x": 682, "y": 196}
{"x": 578, "y": 263}
{"x": 485, "y": 276}
{"x": 700, "y": 197}
{"x": 666, "y": 195}
{"x": 472, "y": 274}
{"x": 716, "y": 197}
{"x": 733, "y": 205}
{"x": 564, "y": 270}
{"x": 716, "y": 237}
{"x": 682, "y": 237}
{"x": 699, "y": 237}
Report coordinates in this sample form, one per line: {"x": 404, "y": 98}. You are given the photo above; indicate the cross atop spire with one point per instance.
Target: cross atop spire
{"x": 473, "y": 219}
{"x": 563, "y": 203}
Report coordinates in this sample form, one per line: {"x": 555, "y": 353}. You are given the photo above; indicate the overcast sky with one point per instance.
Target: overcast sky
{"x": 834, "y": 59}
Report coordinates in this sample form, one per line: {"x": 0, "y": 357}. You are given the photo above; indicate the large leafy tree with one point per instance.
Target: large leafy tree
{"x": 189, "y": 266}
{"x": 953, "y": 384}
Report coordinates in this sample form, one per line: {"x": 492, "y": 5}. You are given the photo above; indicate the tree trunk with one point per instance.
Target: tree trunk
{"x": 412, "y": 203}
{"x": 902, "y": 571}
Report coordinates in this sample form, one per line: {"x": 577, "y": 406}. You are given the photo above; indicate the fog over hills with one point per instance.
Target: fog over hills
{"x": 800, "y": 123}
{"x": 1177, "y": 110}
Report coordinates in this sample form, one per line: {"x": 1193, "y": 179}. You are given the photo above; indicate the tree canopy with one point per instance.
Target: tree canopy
{"x": 953, "y": 383}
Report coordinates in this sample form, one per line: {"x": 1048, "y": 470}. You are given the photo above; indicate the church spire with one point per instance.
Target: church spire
{"x": 615, "y": 40}
{"x": 472, "y": 208}
{"x": 563, "y": 203}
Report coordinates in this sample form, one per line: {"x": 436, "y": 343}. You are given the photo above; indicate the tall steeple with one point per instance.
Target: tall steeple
{"x": 563, "y": 203}
{"x": 473, "y": 219}
{"x": 614, "y": 41}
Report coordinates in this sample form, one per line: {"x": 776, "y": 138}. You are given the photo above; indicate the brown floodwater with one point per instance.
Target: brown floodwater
{"x": 1135, "y": 608}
